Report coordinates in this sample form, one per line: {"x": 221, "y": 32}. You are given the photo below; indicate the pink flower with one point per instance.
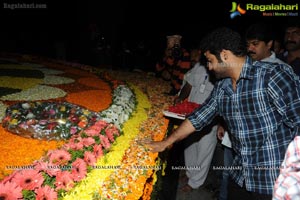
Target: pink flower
{"x": 23, "y": 125}
{"x": 75, "y": 143}
{"x": 78, "y": 146}
{"x": 101, "y": 124}
{"x": 74, "y": 146}
{"x": 92, "y": 132}
{"x": 8, "y": 178}
{"x": 52, "y": 112}
{"x": 28, "y": 179}
{"x": 88, "y": 141}
{"x": 47, "y": 167}
{"x": 104, "y": 141}
{"x": 74, "y": 118}
{"x": 59, "y": 157}
{"x": 111, "y": 131}
{"x": 73, "y": 130}
{"x": 70, "y": 144}
{"x": 52, "y": 125}
{"x": 64, "y": 180}
{"x": 98, "y": 151}
{"x": 45, "y": 193}
{"x": 96, "y": 128}
{"x": 30, "y": 122}
{"x": 10, "y": 191}
{"x": 43, "y": 122}
{"x": 79, "y": 169}
{"x": 89, "y": 158}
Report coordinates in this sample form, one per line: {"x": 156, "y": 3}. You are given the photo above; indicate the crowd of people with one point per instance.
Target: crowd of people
{"x": 252, "y": 107}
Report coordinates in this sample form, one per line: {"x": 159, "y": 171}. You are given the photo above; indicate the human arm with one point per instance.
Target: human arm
{"x": 185, "y": 129}
{"x": 284, "y": 92}
{"x": 184, "y": 93}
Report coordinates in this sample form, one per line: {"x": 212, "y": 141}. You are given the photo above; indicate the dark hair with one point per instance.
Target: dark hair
{"x": 260, "y": 31}
{"x": 223, "y": 39}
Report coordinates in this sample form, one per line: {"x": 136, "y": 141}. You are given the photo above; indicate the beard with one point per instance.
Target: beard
{"x": 222, "y": 71}
{"x": 220, "y": 75}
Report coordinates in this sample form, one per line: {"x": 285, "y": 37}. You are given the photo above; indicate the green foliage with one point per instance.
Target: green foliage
{"x": 76, "y": 154}
{"x": 28, "y": 195}
{"x": 48, "y": 180}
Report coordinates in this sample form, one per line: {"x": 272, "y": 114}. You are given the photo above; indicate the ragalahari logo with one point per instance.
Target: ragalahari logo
{"x": 236, "y": 10}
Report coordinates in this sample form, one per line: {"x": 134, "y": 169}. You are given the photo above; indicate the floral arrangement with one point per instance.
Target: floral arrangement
{"x": 83, "y": 92}
{"x": 136, "y": 167}
{"x": 60, "y": 170}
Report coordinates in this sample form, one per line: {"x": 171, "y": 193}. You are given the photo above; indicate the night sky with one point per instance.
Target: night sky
{"x": 35, "y": 30}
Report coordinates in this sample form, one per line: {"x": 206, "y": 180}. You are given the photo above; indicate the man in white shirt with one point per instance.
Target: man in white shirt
{"x": 197, "y": 87}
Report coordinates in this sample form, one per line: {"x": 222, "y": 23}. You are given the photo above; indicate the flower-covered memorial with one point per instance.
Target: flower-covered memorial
{"x": 73, "y": 131}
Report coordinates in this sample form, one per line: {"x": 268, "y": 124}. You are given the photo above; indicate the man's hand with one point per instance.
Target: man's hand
{"x": 177, "y": 100}
{"x": 220, "y": 132}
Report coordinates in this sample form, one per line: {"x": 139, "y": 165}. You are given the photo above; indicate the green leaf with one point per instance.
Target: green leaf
{"x": 28, "y": 195}
{"x": 48, "y": 180}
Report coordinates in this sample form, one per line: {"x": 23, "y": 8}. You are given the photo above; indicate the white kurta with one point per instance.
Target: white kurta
{"x": 199, "y": 154}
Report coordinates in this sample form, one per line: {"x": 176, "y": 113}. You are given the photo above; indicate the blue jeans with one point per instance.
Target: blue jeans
{"x": 228, "y": 158}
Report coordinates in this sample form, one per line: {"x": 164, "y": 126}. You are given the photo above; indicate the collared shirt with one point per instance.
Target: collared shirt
{"x": 287, "y": 185}
{"x": 273, "y": 59}
{"x": 202, "y": 87}
{"x": 262, "y": 115}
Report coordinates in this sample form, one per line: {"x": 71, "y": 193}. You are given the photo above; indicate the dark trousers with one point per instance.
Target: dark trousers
{"x": 235, "y": 192}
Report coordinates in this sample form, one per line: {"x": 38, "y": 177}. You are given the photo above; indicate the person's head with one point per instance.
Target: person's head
{"x": 259, "y": 38}
{"x": 173, "y": 46}
{"x": 292, "y": 36}
{"x": 173, "y": 40}
{"x": 222, "y": 48}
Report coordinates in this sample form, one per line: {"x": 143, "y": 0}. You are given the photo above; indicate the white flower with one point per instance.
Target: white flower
{"x": 30, "y": 116}
{"x": 25, "y": 106}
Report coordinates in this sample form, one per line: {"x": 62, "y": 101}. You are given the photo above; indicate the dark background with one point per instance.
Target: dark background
{"x": 37, "y": 31}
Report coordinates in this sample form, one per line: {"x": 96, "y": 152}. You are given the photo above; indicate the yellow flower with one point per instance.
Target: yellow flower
{"x": 13, "y": 122}
{"x": 62, "y": 108}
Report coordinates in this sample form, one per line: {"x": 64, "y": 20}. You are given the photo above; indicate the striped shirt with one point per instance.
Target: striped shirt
{"x": 263, "y": 116}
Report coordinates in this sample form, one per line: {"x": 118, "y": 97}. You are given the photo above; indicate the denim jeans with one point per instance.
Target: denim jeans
{"x": 228, "y": 158}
